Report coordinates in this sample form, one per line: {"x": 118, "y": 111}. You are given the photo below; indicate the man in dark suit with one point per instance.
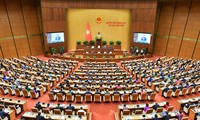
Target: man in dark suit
{"x": 133, "y": 91}
{"x": 3, "y": 114}
{"x": 97, "y": 92}
{"x": 174, "y": 88}
{"x": 116, "y": 92}
{"x": 59, "y": 107}
{"x": 166, "y": 116}
{"x": 39, "y": 117}
{"x": 165, "y": 90}
{"x": 70, "y": 107}
{"x": 38, "y": 106}
{"x": 88, "y": 92}
{"x": 61, "y": 91}
{"x": 155, "y": 106}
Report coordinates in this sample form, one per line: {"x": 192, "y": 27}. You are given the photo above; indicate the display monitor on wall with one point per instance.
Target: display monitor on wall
{"x": 144, "y": 38}
{"x": 55, "y": 37}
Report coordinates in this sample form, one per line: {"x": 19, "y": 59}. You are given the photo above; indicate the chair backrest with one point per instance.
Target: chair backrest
{"x": 107, "y": 98}
{"x": 177, "y": 92}
{"x": 138, "y": 111}
{"x": 126, "y": 112}
{"x": 97, "y": 98}
{"x": 134, "y": 96}
{"x": 144, "y": 96}
{"x": 9, "y": 90}
{"x": 80, "y": 113}
{"x": 68, "y": 112}
{"x": 34, "y": 109}
{"x": 51, "y": 96}
{"x": 47, "y": 111}
{"x": 169, "y": 93}
{"x": 170, "y": 108}
{"x": 125, "y": 97}
{"x": 33, "y": 94}
{"x": 149, "y": 111}
{"x": 69, "y": 97}
{"x": 159, "y": 110}
{"x": 59, "y": 96}
{"x": 78, "y": 98}
{"x": 88, "y": 98}
{"x": 17, "y": 92}
{"x": 152, "y": 96}
{"x": 116, "y": 97}
{"x": 184, "y": 91}
{"x": 190, "y": 90}
{"x": 57, "y": 111}
{"x": 25, "y": 93}
{"x": 2, "y": 90}
{"x": 197, "y": 89}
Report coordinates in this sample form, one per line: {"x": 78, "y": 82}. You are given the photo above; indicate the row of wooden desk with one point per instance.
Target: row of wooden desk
{"x": 193, "y": 114}
{"x": 21, "y": 103}
{"x": 146, "y": 116}
{"x": 32, "y": 116}
{"x": 181, "y": 103}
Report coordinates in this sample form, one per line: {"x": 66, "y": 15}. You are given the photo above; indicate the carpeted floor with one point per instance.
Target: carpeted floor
{"x": 100, "y": 111}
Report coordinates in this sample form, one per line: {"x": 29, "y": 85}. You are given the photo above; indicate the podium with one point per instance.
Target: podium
{"x": 98, "y": 42}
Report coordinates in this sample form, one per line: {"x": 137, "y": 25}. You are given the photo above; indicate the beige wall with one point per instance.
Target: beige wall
{"x": 77, "y": 19}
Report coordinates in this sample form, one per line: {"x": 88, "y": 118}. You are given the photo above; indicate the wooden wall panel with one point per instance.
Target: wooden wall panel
{"x": 165, "y": 17}
{"x": 187, "y": 49}
{"x": 164, "y": 25}
{"x": 143, "y": 15}
{"x": 180, "y": 18}
{"x": 183, "y": 33}
{"x": 22, "y": 47}
{"x": 18, "y": 27}
{"x": 173, "y": 47}
{"x": 4, "y": 22}
{"x": 16, "y": 17}
{"x": 18, "y": 21}
{"x": 8, "y": 48}
{"x": 6, "y": 40}
{"x": 197, "y": 51}
{"x": 178, "y": 27}
{"x": 160, "y": 46}
{"x": 35, "y": 44}
{"x": 32, "y": 26}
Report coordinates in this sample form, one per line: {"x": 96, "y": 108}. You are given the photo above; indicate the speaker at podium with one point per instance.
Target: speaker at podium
{"x": 99, "y": 39}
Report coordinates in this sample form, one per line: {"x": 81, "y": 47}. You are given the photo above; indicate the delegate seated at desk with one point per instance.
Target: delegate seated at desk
{"x": 165, "y": 90}
{"x": 40, "y": 117}
{"x": 3, "y": 114}
{"x": 70, "y": 107}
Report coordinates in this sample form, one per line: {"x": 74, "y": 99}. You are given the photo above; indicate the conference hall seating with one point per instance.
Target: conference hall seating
{"x": 32, "y": 77}
{"x": 60, "y": 111}
{"x": 12, "y": 107}
{"x": 194, "y": 113}
{"x": 101, "y": 80}
{"x": 170, "y": 77}
{"x": 187, "y": 104}
{"x": 141, "y": 111}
